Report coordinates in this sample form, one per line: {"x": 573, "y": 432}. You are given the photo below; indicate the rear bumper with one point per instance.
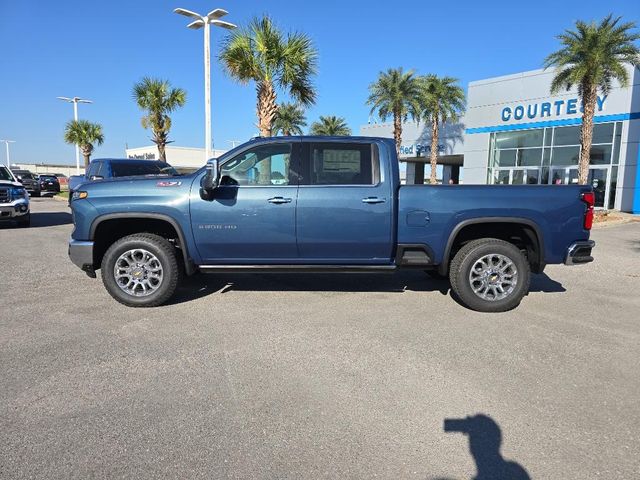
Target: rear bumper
{"x": 579, "y": 252}
{"x": 81, "y": 254}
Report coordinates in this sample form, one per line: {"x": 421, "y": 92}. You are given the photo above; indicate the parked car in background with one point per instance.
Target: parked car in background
{"x": 63, "y": 179}
{"x": 49, "y": 183}
{"x": 14, "y": 200}
{"x": 328, "y": 204}
{"x": 28, "y": 179}
{"x": 106, "y": 168}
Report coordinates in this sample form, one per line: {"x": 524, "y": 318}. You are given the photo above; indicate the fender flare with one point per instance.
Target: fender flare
{"x": 444, "y": 265}
{"x": 188, "y": 262}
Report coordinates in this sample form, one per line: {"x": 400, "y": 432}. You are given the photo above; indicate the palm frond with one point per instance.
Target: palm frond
{"x": 330, "y": 126}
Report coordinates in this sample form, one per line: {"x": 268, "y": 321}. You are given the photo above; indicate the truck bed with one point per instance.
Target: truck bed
{"x": 430, "y": 214}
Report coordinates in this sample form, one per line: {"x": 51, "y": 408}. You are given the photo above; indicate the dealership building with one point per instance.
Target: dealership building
{"x": 515, "y": 132}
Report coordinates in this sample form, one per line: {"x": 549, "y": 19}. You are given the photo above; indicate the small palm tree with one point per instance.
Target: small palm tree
{"x": 159, "y": 99}
{"x": 442, "y": 100}
{"x": 591, "y": 57}
{"x": 84, "y": 134}
{"x": 263, "y": 54}
{"x": 330, "y": 126}
{"x": 395, "y": 93}
{"x": 289, "y": 120}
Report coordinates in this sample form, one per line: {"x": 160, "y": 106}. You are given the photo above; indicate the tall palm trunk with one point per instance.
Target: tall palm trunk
{"x": 160, "y": 136}
{"x": 590, "y": 96}
{"x": 266, "y": 108}
{"x": 87, "y": 150}
{"x": 434, "y": 148}
{"x": 397, "y": 131}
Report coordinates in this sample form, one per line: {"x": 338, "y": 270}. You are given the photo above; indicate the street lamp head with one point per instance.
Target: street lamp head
{"x": 187, "y": 13}
{"x": 217, "y": 13}
{"x": 223, "y": 24}
{"x": 195, "y": 25}
{"x": 74, "y": 100}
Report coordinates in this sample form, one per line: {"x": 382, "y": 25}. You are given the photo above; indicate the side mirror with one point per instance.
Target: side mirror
{"x": 96, "y": 177}
{"x": 211, "y": 178}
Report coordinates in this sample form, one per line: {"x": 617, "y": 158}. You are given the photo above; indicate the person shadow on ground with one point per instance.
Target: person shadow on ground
{"x": 485, "y": 439}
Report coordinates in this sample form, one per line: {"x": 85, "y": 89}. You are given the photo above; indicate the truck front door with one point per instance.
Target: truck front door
{"x": 345, "y": 205}
{"x": 251, "y": 217}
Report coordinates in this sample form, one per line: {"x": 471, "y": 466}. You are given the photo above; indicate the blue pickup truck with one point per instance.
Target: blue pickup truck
{"x": 324, "y": 204}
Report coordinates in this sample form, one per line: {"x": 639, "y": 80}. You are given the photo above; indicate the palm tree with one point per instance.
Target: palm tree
{"x": 395, "y": 93}
{"x": 263, "y": 54}
{"x": 441, "y": 100}
{"x": 591, "y": 57}
{"x": 159, "y": 99}
{"x": 84, "y": 134}
{"x": 330, "y": 126}
{"x": 289, "y": 120}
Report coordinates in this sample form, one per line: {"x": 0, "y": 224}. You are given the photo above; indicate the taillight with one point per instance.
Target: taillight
{"x": 590, "y": 199}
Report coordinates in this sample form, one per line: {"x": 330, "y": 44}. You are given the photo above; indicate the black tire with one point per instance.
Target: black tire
{"x": 24, "y": 221}
{"x": 36, "y": 194}
{"x": 466, "y": 258}
{"x": 163, "y": 251}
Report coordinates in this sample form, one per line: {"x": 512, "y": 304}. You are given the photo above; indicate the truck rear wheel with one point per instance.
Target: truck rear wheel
{"x": 140, "y": 270}
{"x": 490, "y": 275}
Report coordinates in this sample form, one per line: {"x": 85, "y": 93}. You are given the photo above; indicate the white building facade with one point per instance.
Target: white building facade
{"x": 178, "y": 157}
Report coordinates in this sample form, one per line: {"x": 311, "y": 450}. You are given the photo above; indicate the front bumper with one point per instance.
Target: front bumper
{"x": 579, "y": 252}
{"x": 13, "y": 210}
{"x": 81, "y": 254}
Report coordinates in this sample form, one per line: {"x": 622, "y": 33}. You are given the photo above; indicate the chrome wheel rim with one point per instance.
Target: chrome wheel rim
{"x": 138, "y": 272}
{"x": 493, "y": 277}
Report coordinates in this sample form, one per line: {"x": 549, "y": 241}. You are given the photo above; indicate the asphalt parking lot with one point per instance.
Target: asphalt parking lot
{"x": 316, "y": 376}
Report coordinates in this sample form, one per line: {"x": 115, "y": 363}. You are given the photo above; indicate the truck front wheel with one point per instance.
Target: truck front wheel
{"x": 140, "y": 270}
{"x": 490, "y": 275}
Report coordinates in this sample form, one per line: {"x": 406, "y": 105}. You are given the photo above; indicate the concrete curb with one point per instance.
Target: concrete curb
{"x": 616, "y": 222}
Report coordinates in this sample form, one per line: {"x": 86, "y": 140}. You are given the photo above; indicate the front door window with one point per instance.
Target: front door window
{"x": 261, "y": 166}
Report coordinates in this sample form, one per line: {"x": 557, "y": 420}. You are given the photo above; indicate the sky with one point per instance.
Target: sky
{"x": 98, "y": 50}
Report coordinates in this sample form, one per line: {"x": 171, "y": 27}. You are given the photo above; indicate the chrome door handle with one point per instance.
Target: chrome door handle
{"x": 374, "y": 200}
{"x": 279, "y": 200}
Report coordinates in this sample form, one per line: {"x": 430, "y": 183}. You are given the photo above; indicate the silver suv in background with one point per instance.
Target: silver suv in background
{"x": 14, "y": 199}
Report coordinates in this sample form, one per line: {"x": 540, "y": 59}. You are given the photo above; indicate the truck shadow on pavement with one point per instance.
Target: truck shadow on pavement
{"x": 202, "y": 285}
{"x": 42, "y": 219}
{"x": 485, "y": 440}
{"x": 49, "y": 219}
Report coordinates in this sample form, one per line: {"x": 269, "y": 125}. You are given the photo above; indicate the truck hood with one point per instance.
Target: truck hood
{"x": 135, "y": 186}
{"x": 7, "y": 183}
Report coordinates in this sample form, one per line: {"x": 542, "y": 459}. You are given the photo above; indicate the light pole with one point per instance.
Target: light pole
{"x": 75, "y": 101}
{"x": 211, "y": 18}
{"x": 7, "y": 142}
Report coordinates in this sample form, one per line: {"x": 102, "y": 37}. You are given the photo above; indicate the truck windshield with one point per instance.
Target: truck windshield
{"x": 142, "y": 168}
{"x": 5, "y": 175}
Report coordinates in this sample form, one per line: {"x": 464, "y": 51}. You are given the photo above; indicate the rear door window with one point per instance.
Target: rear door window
{"x": 341, "y": 164}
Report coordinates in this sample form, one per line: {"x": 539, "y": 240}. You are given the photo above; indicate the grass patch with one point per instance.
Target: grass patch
{"x": 64, "y": 194}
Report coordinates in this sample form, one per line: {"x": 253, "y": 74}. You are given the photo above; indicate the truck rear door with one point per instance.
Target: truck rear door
{"x": 345, "y": 204}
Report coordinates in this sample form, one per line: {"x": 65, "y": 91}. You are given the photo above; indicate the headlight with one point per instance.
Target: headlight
{"x": 17, "y": 193}
{"x": 79, "y": 194}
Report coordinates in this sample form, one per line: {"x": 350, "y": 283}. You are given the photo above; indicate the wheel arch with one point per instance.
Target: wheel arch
{"x": 155, "y": 217}
{"x": 531, "y": 229}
